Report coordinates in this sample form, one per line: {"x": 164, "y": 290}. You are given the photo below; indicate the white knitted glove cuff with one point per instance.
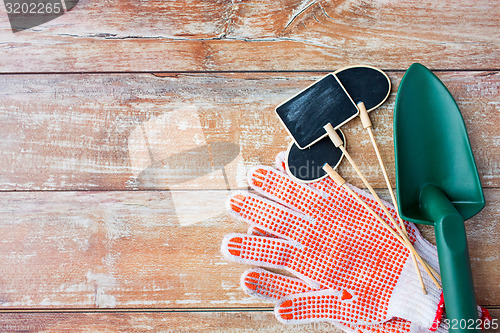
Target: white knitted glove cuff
{"x": 409, "y": 302}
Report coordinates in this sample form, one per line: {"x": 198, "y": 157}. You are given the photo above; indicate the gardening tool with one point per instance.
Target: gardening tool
{"x": 437, "y": 181}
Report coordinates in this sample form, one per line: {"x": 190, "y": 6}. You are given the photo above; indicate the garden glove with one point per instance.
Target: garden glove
{"x": 270, "y": 286}
{"x": 359, "y": 274}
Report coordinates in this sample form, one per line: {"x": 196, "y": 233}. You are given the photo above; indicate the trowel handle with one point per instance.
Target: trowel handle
{"x": 454, "y": 262}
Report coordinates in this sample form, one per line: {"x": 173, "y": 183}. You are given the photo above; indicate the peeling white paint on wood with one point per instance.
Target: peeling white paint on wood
{"x": 99, "y": 144}
{"x": 254, "y": 35}
{"x": 65, "y": 249}
{"x": 159, "y": 249}
{"x": 102, "y": 283}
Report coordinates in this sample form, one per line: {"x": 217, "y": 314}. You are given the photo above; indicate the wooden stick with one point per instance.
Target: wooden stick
{"x": 367, "y": 124}
{"x": 337, "y": 141}
{"x": 402, "y": 239}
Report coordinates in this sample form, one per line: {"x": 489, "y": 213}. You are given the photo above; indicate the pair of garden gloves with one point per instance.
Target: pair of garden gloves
{"x": 341, "y": 265}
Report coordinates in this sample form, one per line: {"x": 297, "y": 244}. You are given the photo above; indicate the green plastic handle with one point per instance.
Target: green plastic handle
{"x": 454, "y": 261}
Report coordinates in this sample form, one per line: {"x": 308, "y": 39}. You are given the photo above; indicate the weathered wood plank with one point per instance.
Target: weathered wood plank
{"x": 253, "y": 35}
{"x": 234, "y": 322}
{"x": 175, "y": 131}
{"x": 139, "y": 249}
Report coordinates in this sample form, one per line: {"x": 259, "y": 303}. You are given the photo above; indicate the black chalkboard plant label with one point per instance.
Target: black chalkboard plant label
{"x": 324, "y": 102}
{"x": 306, "y": 165}
{"x": 363, "y": 83}
{"x": 366, "y": 84}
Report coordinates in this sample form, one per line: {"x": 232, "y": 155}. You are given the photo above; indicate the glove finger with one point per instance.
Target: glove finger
{"x": 328, "y": 186}
{"x": 269, "y": 216}
{"x": 309, "y": 198}
{"x": 271, "y": 286}
{"x": 321, "y": 305}
{"x": 278, "y": 187}
{"x": 256, "y": 250}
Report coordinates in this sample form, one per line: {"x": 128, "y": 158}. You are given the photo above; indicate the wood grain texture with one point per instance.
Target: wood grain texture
{"x": 114, "y": 173}
{"x": 234, "y": 322}
{"x": 118, "y": 35}
{"x": 143, "y": 131}
{"x": 134, "y": 249}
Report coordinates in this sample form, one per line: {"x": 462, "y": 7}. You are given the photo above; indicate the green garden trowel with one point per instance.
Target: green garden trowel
{"x": 437, "y": 182}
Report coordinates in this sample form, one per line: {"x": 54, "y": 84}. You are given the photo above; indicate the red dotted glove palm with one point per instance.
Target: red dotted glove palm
{"x": 356, "y": 271}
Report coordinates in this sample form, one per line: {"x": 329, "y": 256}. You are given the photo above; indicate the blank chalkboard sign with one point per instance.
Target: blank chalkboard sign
{"x": 365, "y": 84}
{"x": 306, "y": 165}
{"x": 305, "y": 114}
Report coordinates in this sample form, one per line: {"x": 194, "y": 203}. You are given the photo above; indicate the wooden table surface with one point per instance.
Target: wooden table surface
{"x": 115, "y": 120}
